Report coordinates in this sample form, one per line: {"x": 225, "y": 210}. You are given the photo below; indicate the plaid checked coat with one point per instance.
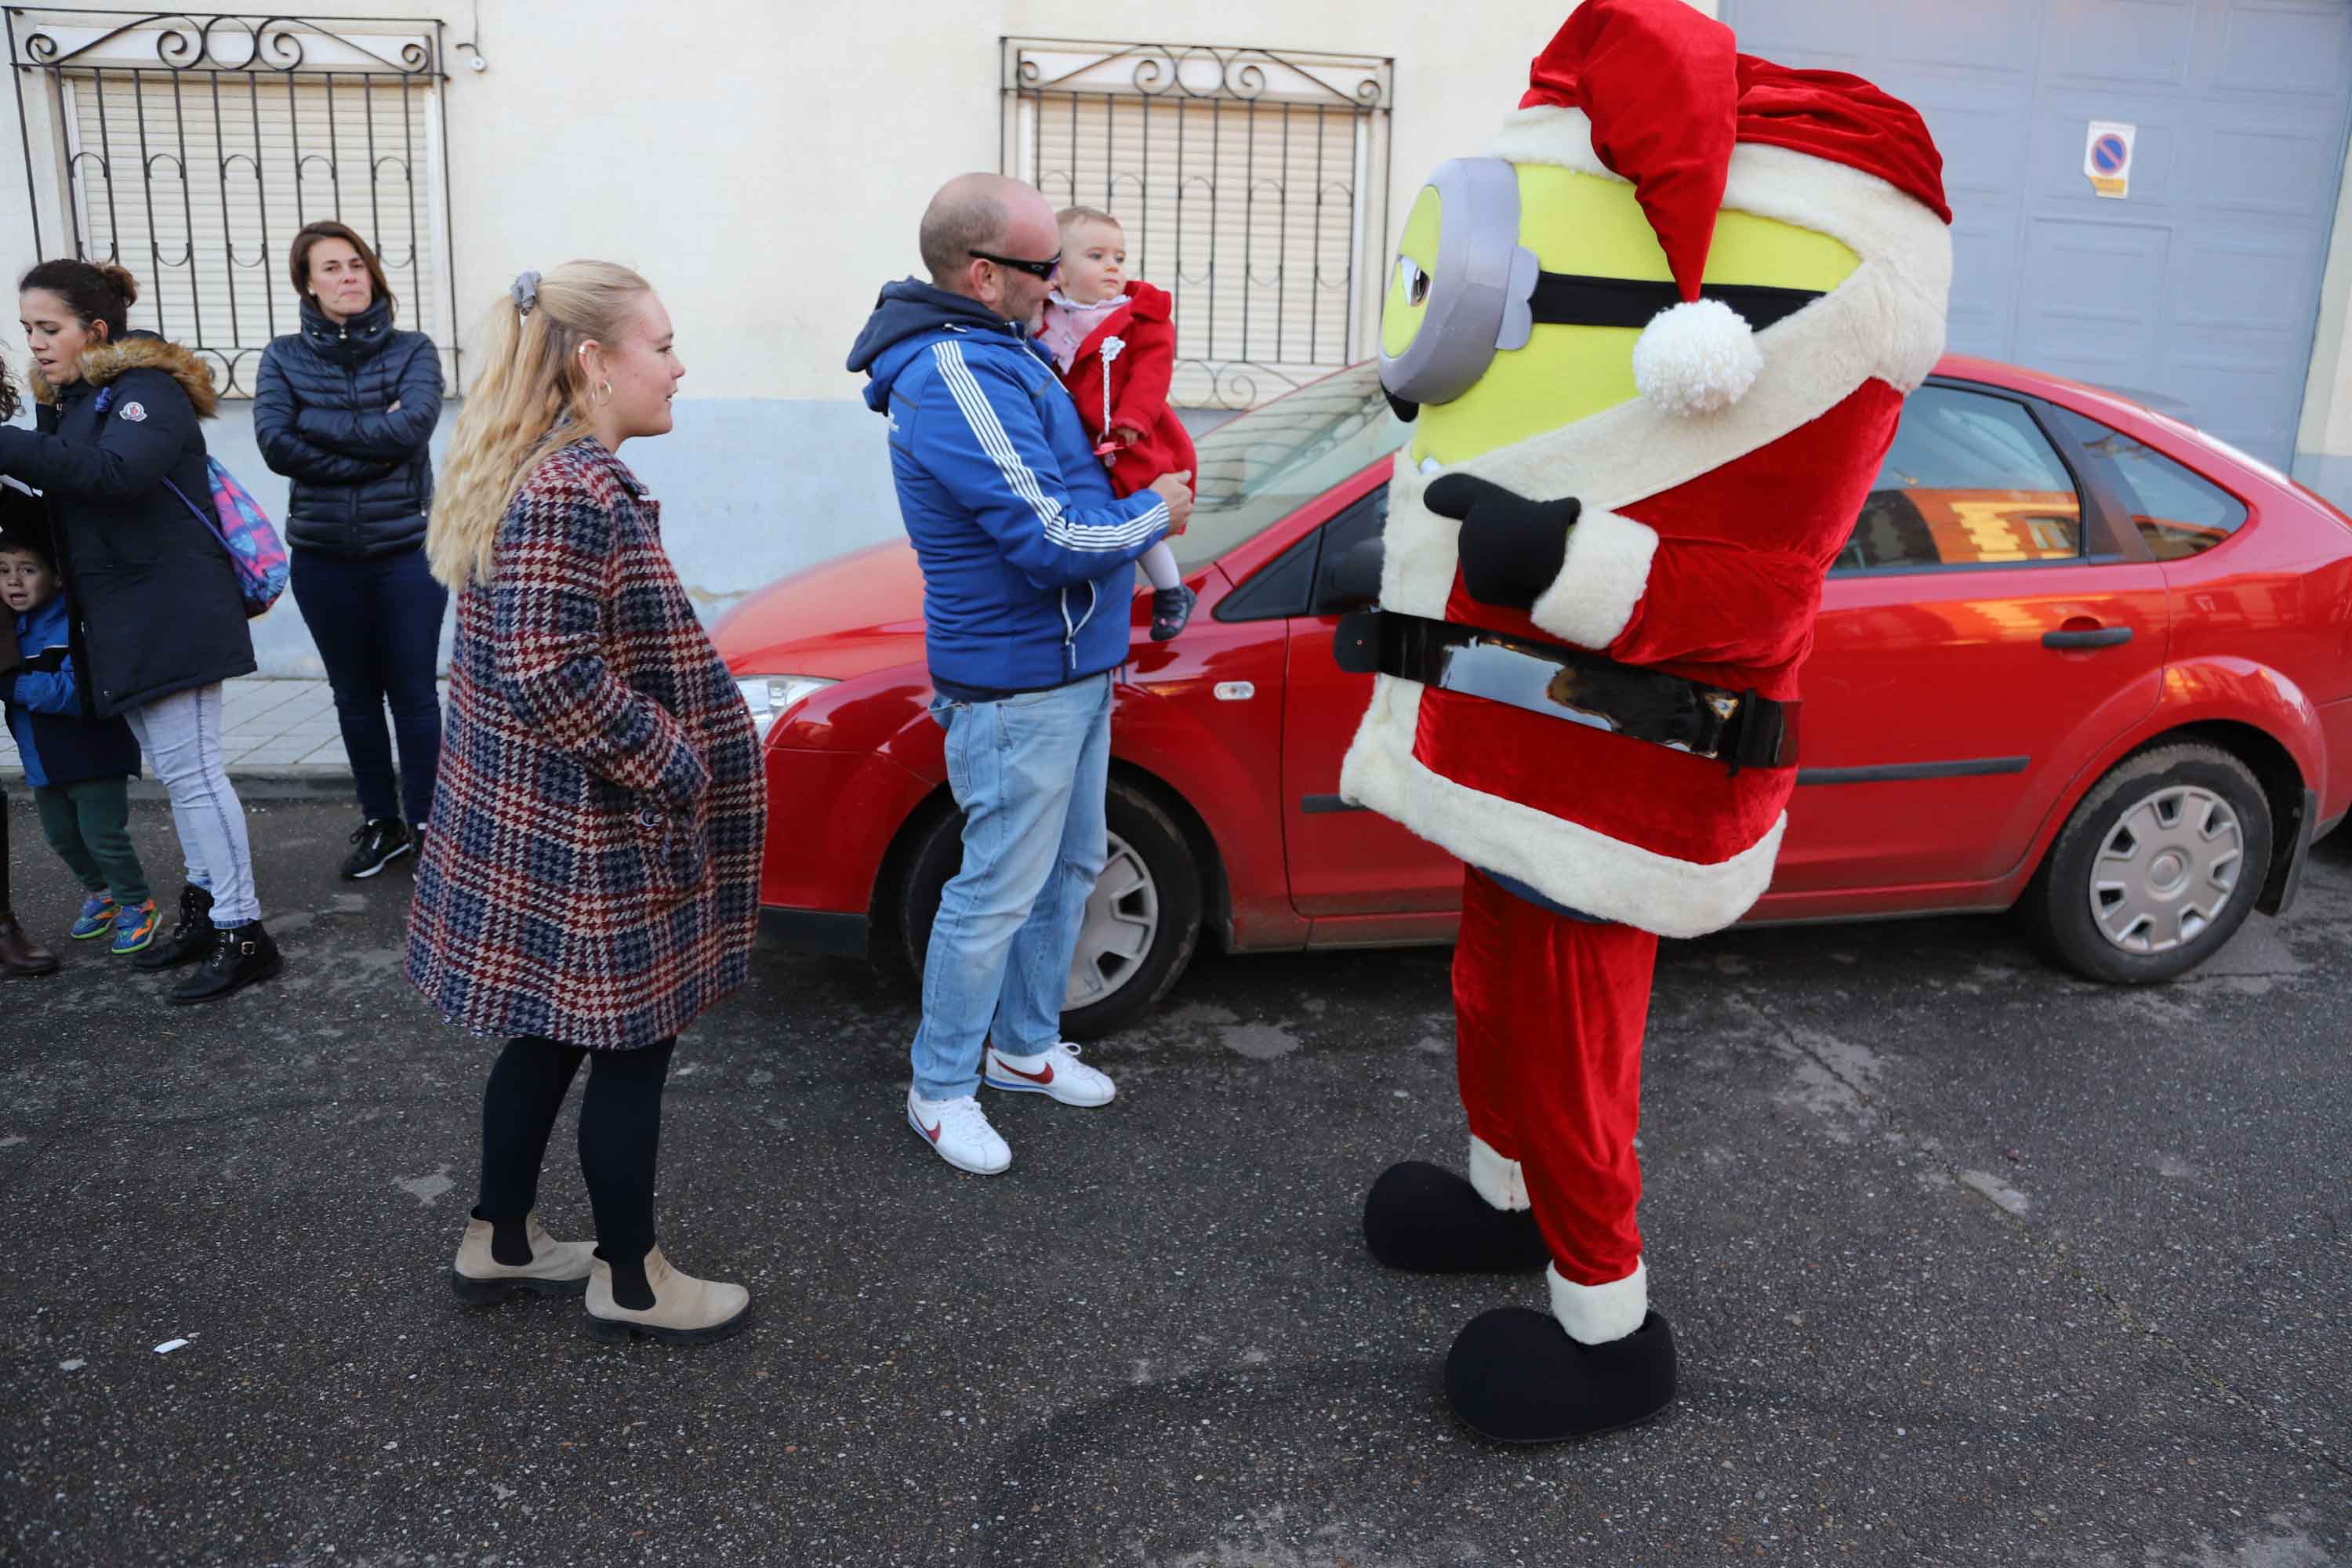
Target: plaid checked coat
{"x": 592, "y": 871}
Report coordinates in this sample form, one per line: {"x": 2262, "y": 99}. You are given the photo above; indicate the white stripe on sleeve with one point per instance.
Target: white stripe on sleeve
{"x": 989, "y": 430}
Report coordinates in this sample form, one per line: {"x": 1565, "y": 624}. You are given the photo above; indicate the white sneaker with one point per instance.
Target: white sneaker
{"x": 1055, "y": 1071}
{"x": 959, "y": 1130}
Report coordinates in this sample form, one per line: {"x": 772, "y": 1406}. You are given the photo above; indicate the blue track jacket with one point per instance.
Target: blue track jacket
{"x": 1028, "y": 558}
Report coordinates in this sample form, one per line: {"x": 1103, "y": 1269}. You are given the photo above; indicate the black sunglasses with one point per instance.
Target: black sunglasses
{"x": 1038, "y": 270}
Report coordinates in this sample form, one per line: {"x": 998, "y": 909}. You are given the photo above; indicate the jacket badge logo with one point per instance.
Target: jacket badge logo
{"x": 133, "y": 412}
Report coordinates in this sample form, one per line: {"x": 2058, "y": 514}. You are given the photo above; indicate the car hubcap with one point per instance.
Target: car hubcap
{"x": 2167, "y": 871}
{"x": 1122, "y": 921}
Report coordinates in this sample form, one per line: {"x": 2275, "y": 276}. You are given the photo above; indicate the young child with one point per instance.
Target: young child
{"x": 79, "y": 768}
{"x": 1115, "y": 344}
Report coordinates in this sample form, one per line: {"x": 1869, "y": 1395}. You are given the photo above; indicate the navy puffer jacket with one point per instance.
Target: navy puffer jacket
{"x": 118, "y": 454}
{"x": 323, "y": 413}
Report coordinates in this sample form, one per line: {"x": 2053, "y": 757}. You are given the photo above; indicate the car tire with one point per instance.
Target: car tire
{"x": 2157, "y": 867}
{"x": 1143, "y": 932}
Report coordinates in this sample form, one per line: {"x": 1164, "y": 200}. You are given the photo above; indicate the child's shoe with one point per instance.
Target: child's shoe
{"x": 1171, "y": 608}
{"x": 97, "y": 913}
{"x": 134, "y": 928}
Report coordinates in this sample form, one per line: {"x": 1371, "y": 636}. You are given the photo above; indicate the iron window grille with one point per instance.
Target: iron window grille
{"x": 1252, "y": 184}
{"x": 190, "y": 147}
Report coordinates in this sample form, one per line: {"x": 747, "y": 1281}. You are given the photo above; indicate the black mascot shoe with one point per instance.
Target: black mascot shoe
{"x": 1425, "y": 1218}
{"x": 1516, "y": 1376}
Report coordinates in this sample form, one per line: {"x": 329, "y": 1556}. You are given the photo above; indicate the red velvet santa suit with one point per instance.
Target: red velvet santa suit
{"x": 1699, "y": 551}
{"x": 1131, "y": 356}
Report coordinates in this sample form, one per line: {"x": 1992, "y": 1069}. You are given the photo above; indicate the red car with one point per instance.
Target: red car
{"x": 2078, "y": 659}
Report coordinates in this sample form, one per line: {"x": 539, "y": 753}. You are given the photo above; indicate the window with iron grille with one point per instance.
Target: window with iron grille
{"x": 1251, "y": 185}
{"x": 191, "y": 148}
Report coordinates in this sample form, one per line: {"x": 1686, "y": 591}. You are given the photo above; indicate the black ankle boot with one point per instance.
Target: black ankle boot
{"x": 190, "y": 939}
{"x": 1423, "y": 1218}
{"x": 240, "y": 956}
{"x": 1516, "y": 1376}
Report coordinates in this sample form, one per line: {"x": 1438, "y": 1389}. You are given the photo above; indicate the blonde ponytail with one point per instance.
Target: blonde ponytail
{"x": 530, "y": 402}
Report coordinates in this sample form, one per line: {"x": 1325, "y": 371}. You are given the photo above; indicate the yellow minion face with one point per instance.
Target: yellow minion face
{"x": 1515, "y": 302}
{"x": 1409, "y": 280}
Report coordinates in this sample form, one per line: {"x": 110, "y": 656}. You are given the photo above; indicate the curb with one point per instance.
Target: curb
{"x": 260, "y": 781}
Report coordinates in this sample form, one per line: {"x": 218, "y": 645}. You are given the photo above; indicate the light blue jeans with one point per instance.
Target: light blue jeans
{"x": 1030, "y": 773}
{"x": 182, "y": 737}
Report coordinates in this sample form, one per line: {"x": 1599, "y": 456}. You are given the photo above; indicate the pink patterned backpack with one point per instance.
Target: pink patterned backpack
{"x": 243, "y": 530}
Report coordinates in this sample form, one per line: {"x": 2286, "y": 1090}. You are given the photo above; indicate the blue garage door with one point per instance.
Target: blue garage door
{"x": 2201, "y": 284}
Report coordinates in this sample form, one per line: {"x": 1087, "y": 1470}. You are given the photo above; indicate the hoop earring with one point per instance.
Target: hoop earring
{"x": 607, "y": 396}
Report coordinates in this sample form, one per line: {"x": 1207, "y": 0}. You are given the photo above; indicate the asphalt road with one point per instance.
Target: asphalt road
{"x": 1969, "y": 1263}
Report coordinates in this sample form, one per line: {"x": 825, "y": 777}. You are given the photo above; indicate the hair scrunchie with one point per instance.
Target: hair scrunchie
{"x": 524, "y": 291}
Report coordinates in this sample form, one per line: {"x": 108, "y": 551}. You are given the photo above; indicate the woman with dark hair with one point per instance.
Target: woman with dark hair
{"x": 158, "y": 622}
{"x": 20, "y": 517}
{"x": 345, "y": 409}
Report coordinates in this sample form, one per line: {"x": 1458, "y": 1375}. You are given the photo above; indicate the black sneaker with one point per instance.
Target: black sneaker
{"x": 376, "y": 844}
{"x": 240, "y": 956}
{"x": 1171, "y": 608}
{"x": 190, "y": 939}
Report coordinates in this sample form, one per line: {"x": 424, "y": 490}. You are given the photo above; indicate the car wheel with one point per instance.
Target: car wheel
{"x": 1142, "y": 921}
{"x": 2158, "y": 867}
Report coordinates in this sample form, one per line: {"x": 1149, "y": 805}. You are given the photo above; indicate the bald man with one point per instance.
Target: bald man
{"x": 1028, "y": 573}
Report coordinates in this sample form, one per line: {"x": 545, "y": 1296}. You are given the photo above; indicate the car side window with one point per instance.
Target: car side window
{"x": 1971, "y": 480}
{"x": 1352, "y": 562}
{"x": 2178, "y": 512}
{"x": 1307, "y": 578}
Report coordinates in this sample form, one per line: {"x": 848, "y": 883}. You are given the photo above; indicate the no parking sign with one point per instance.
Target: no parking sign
{"x": 2107, "y": 156}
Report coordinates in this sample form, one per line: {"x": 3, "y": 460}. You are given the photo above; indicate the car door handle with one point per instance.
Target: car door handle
{"x": 2093, "y": 637}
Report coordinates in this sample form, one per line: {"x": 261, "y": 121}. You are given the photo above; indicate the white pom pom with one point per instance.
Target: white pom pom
{"x": 1695, "y": 358}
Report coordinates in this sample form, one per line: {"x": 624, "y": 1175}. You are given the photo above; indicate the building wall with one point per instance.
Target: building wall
{"x": 765, "y": 165}
{"x": 2323, "y": 447}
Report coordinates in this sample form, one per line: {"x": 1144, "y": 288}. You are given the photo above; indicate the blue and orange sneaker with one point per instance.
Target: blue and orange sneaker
{"x": 97, "y": 913}
{"x": 134, "y": 928}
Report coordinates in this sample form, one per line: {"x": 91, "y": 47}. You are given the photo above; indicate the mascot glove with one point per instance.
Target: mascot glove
{"x": 1512, "y": 548}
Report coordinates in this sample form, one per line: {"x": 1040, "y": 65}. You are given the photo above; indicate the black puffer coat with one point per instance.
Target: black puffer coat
{"x": 155, "y": 602}
{"x": 322, "y": 414}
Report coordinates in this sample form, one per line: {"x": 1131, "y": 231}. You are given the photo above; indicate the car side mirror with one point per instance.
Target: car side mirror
{"x": 1353, "y": 581}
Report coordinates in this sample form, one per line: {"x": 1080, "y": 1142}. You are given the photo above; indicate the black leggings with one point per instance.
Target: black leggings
{"x": 620, "y": 1139}
{"x": 5, "y": 908}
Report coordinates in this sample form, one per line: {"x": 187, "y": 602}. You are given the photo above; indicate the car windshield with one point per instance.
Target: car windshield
{"x": 1259, "y": 467}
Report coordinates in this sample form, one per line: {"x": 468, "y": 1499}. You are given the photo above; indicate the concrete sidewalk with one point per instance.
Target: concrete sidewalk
{"x": 273, "y": 730}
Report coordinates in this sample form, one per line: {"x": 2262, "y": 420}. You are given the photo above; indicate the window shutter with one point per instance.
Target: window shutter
{"x": 1245, "y": 183}
{"x": 233, "y": 164}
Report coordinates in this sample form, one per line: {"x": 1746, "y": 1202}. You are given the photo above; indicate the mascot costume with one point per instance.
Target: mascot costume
{"x": 1656, "y": 341}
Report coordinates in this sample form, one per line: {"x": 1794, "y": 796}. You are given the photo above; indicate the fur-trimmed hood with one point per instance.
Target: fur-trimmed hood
{"x": 142, "y": 350}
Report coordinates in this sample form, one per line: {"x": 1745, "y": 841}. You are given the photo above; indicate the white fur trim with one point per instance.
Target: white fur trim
{"x": 1695, "y": 357}
{"x": 1596, "y": 1314}
{"x": 1905, "y": 249}
{"x": 1565, "y": 861}
{"x": 1606, "y": 572}
{"x": 1500, "y": 1181}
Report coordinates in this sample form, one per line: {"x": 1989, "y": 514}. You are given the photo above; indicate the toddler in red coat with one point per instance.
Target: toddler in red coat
{"x": 1114, "y": 343}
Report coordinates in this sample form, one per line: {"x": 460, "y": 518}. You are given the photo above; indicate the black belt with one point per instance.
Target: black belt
{"x": 1738, "y": 729}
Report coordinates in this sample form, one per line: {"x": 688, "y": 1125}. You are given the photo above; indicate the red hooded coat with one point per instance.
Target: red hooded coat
{"x": 1136, "y": 373}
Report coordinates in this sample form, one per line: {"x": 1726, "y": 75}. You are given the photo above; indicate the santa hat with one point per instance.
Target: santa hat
{"x": 1654, "y": 92}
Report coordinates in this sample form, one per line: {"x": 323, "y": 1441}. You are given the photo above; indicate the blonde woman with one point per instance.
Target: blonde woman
{"x": 589, "y": 885}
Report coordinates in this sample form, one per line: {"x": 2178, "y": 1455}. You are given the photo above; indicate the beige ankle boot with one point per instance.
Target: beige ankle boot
{"x": 686, "y": 1310}
{"x": 556, "y": 1267}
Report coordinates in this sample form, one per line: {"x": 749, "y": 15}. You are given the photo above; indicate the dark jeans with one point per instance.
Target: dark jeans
{"x": 620, "y": 1136}
{"x": 88, "y": 824}
{"x": 377, "y": 623}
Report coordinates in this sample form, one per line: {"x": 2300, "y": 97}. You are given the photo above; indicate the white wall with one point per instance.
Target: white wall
{"x": 765, "y": 165}
{"x": 2323, "y": 447}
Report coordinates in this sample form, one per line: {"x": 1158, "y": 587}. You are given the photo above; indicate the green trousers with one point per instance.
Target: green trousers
{"x": 88, "y": 824}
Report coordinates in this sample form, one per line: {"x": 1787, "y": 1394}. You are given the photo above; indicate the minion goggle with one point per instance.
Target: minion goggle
{"x": 1486, "y": 293}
